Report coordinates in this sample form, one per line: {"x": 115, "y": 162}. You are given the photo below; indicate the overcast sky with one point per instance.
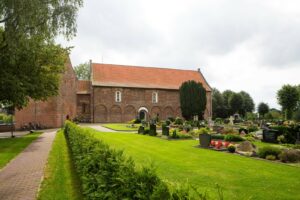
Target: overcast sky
{"x": 249, "y": 45}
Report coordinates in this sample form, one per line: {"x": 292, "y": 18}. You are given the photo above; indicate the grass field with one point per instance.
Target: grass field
{"x": 239, "y": 177}
{"x": 11, "y": 147}
{"x": 122, "y": 127}
{"x": 60, "y": 180}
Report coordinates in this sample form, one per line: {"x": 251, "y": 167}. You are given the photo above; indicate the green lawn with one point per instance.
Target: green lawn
{"x": 179, "y": 161}
{"x": 11, "y": 147}
{"x": 60, "y": 180}
{"x": 122, "y": 127}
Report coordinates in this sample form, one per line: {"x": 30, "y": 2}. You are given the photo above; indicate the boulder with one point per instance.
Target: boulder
{"x": 246, "y": 146}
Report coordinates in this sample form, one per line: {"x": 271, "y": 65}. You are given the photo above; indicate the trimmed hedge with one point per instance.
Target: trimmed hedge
{"x": 233, "y": 138}
{"x": 217, "y": 137}
{"x": 106, "y": 173}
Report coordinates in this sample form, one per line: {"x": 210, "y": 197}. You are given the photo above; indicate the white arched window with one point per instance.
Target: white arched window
{"x": 118, "y": 96}
{"x": 154, "y": 97}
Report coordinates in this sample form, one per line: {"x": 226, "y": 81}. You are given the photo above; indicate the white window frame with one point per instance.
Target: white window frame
{"x": 154, "y": 97}
{"x": 118, "y": 96}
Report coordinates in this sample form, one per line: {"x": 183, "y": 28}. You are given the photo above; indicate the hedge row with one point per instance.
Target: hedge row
{"x": 106, "y": 173}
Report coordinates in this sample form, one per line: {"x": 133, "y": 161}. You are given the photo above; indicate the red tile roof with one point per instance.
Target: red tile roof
{"x": 143, "y": 77}
{"x": 83, "y": 87}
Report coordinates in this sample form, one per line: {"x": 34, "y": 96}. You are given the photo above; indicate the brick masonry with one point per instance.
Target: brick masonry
{"x": 54, "y": 111}
{"x": 104, "y": 108}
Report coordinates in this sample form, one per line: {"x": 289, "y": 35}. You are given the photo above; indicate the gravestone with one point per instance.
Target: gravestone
{"x": 231, "y": 119}
{"x": 270, "y": 135}
{"x": 204, "y": 140}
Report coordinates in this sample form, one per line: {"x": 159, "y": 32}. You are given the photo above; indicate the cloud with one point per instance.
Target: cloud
{"x": 246, "y": 45}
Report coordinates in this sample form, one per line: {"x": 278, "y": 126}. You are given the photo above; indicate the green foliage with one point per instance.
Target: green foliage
{"x": 106, "y": 173}
{"x": 233, "y": 138}
{"x": 61, "y": 181}
{"x": 31, "y": 63}
{"x": 289, "y": 132}
{"x": 263, "y": 152}
{"x": 192, "y": 99}
{"x": 271, "y": 157}
{"x": 178, "y": 121}
{"x": 5, "y": 119}
{"x": 248, "y": 103}
{"x": 262, "y": 109}
{"x": 231, "y": 148}
{"x": 11, "y": 147}
{"x": 217, "y": 137}
{"x": 236, "y": 103}
{"x": 83, "y": 71}
{"x": 288, "y": 97}
{"x": 290, "y": 155}
{"x": 178, "y": 135}
{"x": 218, "y": 104}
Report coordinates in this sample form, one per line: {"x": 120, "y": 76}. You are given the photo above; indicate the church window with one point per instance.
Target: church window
{"x": 118, "y": 96}
{"x": 154, "y": 97}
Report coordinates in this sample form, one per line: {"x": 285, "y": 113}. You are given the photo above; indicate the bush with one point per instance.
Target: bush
{"x": 178, "y": 121}
{"x": 233, "y": 138}
{"x": 196, "y": 133}
{"x": 179, "y": 135}
{"x": 271, "y": 157}
{"x": 231, "y": 148}
{"x": 106, "y": 173}
{"x": 263, "y": 152}
{"x": 289, "y": 132}
{"x": 217, "y": 137}
{"x": 252, "y": 128}
{"x": 228, "y": 130}
{"x": 290, "y": 155}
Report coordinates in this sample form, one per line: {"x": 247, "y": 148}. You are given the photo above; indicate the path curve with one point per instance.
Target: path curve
{"x": 21, "y": 178}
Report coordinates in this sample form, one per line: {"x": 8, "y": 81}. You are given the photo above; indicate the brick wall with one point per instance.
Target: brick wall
{"x": 106, "y": 109}
{"x": 52, "y": 112}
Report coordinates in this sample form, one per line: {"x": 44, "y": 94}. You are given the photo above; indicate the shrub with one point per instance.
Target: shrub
{"x": 271, "y": 157}
{"x": 231, "y": 148}
{"x": 217, "y": 136}
{"x": 281, "y": 139}
{"x": 179, "y": 135}
{"x": 233, "y": 138}
{"x": 196, "y": 133}
{"x": 263, "y": 152}
{"x": 290, "y": 155}
{"x": 187, "y": 127}
{"x": 168, "y": 122}
{"x": 252, "y": 128}
{"x": 106, "y": 173}
{"x": 228, "y": 130}
{"x": 178, "y": 121}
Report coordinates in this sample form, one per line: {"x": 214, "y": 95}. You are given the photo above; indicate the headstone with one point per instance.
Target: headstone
{"x": 204, "y": 140}
{"x": 231, "y": 119}
{"x": 270, "y": 135}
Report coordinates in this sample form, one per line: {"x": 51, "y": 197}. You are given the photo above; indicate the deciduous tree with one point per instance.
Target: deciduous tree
{"x": 288, "y": 98}
{"x": 262, "y": 109}
{"x": 83, "y": 71}
{"x": 30, "y": 61}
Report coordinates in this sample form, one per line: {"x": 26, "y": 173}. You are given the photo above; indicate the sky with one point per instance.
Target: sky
{"x": 248, "y": 45}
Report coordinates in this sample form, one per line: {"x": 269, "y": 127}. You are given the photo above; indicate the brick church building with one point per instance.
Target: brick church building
{"x": 115, "y": 93}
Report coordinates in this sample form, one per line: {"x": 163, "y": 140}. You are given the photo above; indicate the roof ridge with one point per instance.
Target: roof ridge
{"x": 165, "y": 68}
